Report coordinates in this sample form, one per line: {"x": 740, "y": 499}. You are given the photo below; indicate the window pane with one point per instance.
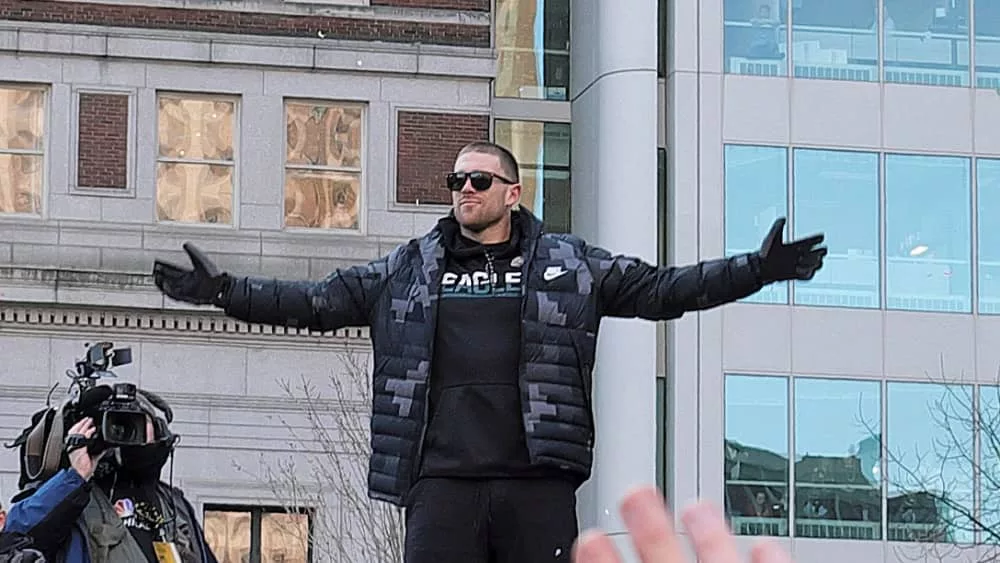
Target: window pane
{"x": 21, "y": 183}
{"x": 988, "y": 183}
{"x": 838, "y": 451}
{"x": 542, "y": 151}
{"x": 756, "y": 194}
{"x": 194, "y": 193}
{"x": 228, "y": 534}
{"x": 989, "y": 463}
{"x": 987, "y": 15}
{"x": 756, "y": 471}
{"x": 930, "y": 445}
{"x": 196, "y": 129}
{"x": 835, "y": 40}
{"x": 323, "y": 135}
{"x": 928, "y": 228}
{"x": 755, "y": 41}
{"x": 22, "y": 118}
{"x": 321, "y": 199}
{"x": 284, "y": 538}
{"x": 532, "y": 40}
{"x": 836, "y": 192}
{"x": 927, "y": 42}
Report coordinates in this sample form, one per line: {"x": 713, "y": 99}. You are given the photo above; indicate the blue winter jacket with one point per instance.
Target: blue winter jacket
{"x": 44, "y": 515}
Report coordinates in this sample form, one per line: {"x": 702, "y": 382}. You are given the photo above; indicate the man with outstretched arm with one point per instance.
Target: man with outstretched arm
{"x": 484, "y": 333}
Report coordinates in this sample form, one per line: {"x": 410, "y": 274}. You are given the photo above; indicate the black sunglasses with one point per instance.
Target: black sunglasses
{"x": 481, "y": 181}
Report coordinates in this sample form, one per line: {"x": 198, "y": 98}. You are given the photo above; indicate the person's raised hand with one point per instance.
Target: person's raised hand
{"x": 203, "y": 284}
{"x": 652, "y": 532}
{"x": 796, "y": 260}
{"x": 80, "y": 459}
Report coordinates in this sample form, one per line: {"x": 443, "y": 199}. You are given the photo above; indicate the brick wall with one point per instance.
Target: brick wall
{"x": 472, "y": 5}
{"x": 427, "y": 144}
{"x": 102, "y": 141}
{"x": 252, "y": 23}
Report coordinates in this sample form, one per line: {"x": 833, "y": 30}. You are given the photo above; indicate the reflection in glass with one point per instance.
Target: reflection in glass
{"x": 323, "y": 135}
{"x": 930, "y": 449}
{"x": 989, "y": 463}
{"x": 323, "y": 165}
{"x": 987, "y": 16}
{"x": 928, "y": 233}
{"x": 194, "y": 174}
{"x": 755, "y": 39}
{"x": 229, "y": 535}
{"x": 284, "y": 538}
{"x": 756, "y": 455}
{"x": 321, "y": 199}
{"x": 988, "y": 185}
{"x": 532, "y": 38}
{"x": 838, "y": 474}
{"x": 194, "y": 193}
{"x": 542, "y": 151}
{"x": 196, "y": 129}
{"x": 836, "y": 192}
{"x": 756, "y": 188}
{"x": 22, "y": 132}
{"x": 21, "y": 183}
{"x": 926, "y": 42}
{"x": 835, "y": 40}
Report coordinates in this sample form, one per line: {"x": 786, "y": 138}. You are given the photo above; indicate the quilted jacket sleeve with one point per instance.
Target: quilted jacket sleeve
{"x": 344, "y": 298}
{"x": 632, "y": 288}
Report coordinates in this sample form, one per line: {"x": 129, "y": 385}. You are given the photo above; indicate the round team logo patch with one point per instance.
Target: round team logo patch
{"x": 125, "y": 508}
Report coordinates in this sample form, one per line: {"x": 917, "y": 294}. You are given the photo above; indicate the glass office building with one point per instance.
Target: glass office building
{"x": 855, "y": 413}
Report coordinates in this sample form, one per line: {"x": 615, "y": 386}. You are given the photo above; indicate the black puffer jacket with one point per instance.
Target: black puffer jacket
{"x": 569, "y": 286}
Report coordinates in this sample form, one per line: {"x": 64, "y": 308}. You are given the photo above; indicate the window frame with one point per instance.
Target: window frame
{"x": 257, "y": 513}
{"x": 532, "y": 168}
{"x": 235, "y": 99}
{"x": 129, "y": 192}
{"x": 44, "y": 152}
{"x": 361, "y": 229}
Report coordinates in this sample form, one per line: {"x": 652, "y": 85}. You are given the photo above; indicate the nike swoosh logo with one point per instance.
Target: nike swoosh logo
{"x": 553, "y": 273}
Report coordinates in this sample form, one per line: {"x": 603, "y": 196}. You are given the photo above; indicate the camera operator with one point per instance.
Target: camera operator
{"x": 110, "y": 505}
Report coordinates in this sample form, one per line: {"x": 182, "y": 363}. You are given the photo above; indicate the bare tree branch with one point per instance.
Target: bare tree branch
{"x": 334, "y": 447}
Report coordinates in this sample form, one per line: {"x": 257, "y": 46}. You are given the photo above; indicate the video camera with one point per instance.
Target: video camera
{"x": 118, "y": 415}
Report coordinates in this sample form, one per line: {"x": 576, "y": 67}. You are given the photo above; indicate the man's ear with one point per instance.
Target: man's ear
{"x": 513, "y": 194}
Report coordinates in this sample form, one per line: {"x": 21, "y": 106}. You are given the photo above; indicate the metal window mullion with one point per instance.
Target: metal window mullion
{"x": 790, "y": 495}
{"x": 321, "y": 168}
{"x": 789, "y": 63}
{"x": 974, "y": 236}
{"x": 977, "y": 501}
{"x": 883, "y": 262}
{"x": 255, "y": 543}
{"x": 972, "y": 43}
{"x": 884, "y": 460}
{"x": 170, "y": 160}
{"x": 23, "y": 152}
{"x": 790, "y": 209}
{"x": 880, "y": 39}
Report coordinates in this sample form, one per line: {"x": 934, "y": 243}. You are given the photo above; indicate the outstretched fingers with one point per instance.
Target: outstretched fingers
{"x": 651, "y": 527}
{"x": 713, "y": 542}
{"x": 594, "y": 546}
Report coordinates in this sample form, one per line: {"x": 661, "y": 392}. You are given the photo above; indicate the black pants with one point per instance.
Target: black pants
{"x": 490, "y": 521}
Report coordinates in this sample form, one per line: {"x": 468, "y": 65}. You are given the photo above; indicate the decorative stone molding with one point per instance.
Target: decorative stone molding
{"x": 27, "y": 315}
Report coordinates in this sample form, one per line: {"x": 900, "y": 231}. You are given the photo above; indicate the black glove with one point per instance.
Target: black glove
{"x": 203, "y": 285}
{"x": 797, "y": 260}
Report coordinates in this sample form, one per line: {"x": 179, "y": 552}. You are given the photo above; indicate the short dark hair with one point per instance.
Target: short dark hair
{"x": 507, "y": 160}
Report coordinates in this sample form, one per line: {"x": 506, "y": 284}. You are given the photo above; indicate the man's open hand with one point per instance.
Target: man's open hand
{"x": 652, "y": 531}
{"x": 203, "y": 284}
{"x": 796, "y": 260}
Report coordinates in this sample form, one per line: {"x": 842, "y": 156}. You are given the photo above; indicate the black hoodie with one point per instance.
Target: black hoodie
{"x": 476, "y": 428}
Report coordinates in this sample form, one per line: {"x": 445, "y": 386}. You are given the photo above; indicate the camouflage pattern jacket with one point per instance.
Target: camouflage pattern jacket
{"x": 569, "y": 287}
